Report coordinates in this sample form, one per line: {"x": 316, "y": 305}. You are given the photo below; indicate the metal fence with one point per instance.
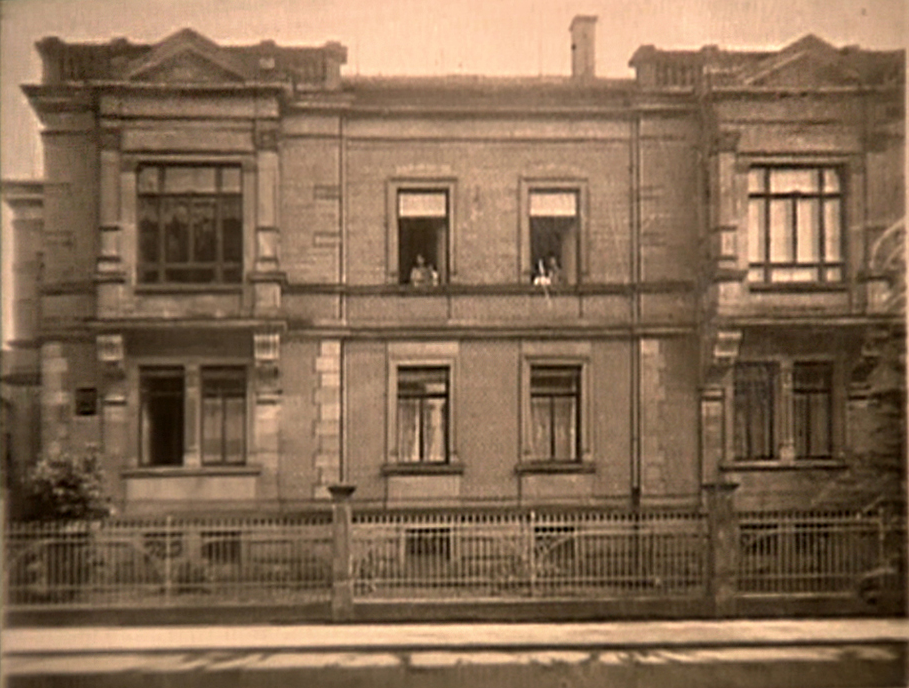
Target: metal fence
{"x": 166, "y": 561}
{"x": 818, "y": 552}
{"x": 567, "y": 554}
{"x": 452, "y": 555}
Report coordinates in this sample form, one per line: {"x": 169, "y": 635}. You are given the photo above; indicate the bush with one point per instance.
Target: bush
{"x": 68, "y": 487}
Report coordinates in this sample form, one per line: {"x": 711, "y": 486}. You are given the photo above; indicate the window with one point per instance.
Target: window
{"x": 161, "y": 419}
{"x": 190, "y": 224}
{"x": 754, "y": 386}
{"x": 775, "y": 420}
{"x": 553, "y": 236}
{"x": 423, "y": 223}
{"x": 423, "y": 414}
{"x": 812, "y": 385}
{"x": 555, "y": 401}
{"x": 223, "y": 415}
{"x": 795, "y": 218}
{"x": 86, "y": 401}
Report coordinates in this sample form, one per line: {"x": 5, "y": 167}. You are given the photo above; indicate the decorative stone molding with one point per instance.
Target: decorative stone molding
{"x": 726, "y": 347}
{"x": 111, "y": 354}
{"x": 267, "y": 355}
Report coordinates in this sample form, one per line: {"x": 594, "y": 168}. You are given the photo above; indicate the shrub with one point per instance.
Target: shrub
{"x": 68, "y": 487}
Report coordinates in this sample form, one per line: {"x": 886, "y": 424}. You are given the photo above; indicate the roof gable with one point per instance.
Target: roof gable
{"x": 187, "y": 56}
{"x": 808, "y": 61}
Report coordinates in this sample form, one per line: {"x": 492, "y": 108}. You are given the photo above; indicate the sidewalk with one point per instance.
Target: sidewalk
{"x": 834, "y": 653}
{"x": 360, "y": 637}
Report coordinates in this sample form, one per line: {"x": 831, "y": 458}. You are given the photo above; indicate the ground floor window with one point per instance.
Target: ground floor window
{"x": 555, "y": 401}
{"x": 783, "y": 404}
{"x": 423, "y": 414}
{"x": 754, "y": 411}
{"x": 162, "y": 416}
{"x": 172, "y": 412}
{"x": 223, "y": 415}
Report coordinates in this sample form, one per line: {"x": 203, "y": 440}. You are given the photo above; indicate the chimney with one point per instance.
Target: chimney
{"x": 583, "y": 47}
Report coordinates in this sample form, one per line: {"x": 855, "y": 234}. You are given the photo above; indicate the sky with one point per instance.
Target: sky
{"x": 419, "y": 37}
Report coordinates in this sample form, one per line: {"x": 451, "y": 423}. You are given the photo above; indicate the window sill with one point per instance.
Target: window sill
{"x": 550, "y": 467}
{"x": 188, "y": 472}
{"x": 797, "y": 465}
{"x": 389, "y": 469}
{"x": 799, "y": 287}
{"x": 153, "y": 289}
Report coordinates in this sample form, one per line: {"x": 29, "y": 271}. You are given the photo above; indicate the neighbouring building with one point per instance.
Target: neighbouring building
{"x": 259, "y": 277}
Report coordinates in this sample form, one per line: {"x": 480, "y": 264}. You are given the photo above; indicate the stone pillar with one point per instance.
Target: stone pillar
{"x": 786, "y": 421}
{"x": 192, "y": 455}
{"x": 110, "y": 276}
{"x": 114, "y": 421}
{"x": 267, "y": 409}
{"x": 341, "y": 564}
{"x": 723, "y": 533}
{"x": 328, "y": 420}
{"x": 713, "y": 417}
{"x": 55, "y": 399}
{"x": 266, "y": 275}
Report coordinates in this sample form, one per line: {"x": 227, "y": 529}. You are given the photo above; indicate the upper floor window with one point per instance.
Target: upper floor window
{"x": 795, "y": 218}
{"x": 553, "y": 236}
{"x": 190, "y": 224}
{"x": 555, "y": 408}
{"x": 423, "y": 414}
{"x": 423, "y": 223}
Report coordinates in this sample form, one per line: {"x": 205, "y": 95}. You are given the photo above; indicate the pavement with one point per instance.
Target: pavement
{"x": 828, "y": 653}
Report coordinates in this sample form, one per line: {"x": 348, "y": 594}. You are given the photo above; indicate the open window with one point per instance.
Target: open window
{"x": 161, "y": 416}
{"x": 190, "y": 224}
{"x": 423, "y": 222}
{"x": 554, "y": 235}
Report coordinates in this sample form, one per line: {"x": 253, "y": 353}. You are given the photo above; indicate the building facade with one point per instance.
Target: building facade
{"x": 260, "y": 277}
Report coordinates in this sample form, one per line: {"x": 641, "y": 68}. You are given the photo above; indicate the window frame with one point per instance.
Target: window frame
{"x": 159, "y": 371}
{"x": 784, "y": 421}
{"x": 531, "y": 185}
{"x": 422, "y": 399}
{"x": 241, "y": 374}
{"x": 193, "y": 412}
{"x": 217, "y": 197}
{"x": 761, "y": 272}
{"x": 420, "y": 355}
{"x": 399, "y": 275}
{"x": 556, "y": 354}
{"x": 576, "y": 375}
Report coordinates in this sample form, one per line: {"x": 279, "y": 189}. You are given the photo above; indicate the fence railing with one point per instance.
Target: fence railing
{"x": 817, "y": 552}
{"x": 168, "y": 561}
{"x": 456, "y": 554}
{"x": 565, "y": 554}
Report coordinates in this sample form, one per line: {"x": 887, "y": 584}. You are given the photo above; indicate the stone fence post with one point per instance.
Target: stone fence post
{"x": 723, "y": 548}
{"x": 341, "y": 569}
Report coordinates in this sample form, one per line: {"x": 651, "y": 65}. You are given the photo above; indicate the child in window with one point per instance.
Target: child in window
{"x": 423, "y": 275}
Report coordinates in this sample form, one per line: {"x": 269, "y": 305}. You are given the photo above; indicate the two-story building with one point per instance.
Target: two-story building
{"x": 260, "y": 277}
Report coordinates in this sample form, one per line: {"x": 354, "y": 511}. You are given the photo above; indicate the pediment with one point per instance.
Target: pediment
{"x": 187, "y": 67}
{"x": 809, "y": 62}
{"x": 187, "y": 57}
